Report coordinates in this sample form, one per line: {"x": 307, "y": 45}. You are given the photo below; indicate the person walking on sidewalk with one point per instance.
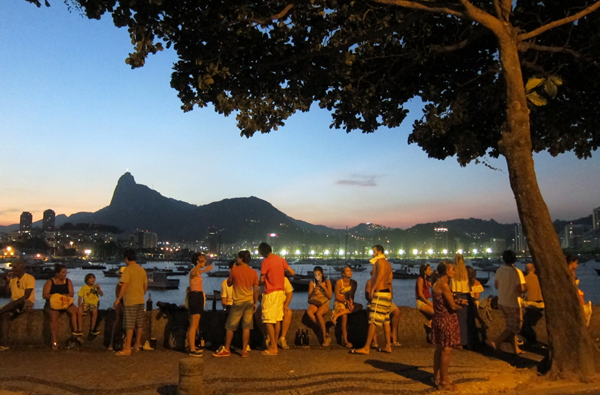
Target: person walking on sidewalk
{"x": 134, "y": 284}
{"x": 272, "y": 274}
{"x": 244, "y": 281}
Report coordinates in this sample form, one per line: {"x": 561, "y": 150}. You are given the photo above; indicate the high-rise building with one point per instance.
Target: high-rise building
{"x": 497, "y": 246}
{"x": 48, "y": 222}
{"x": 143, "y": 239}
{"x": 212, "y": 240}
{"x": 26, "y": 221}
{"x": 573, "y": 236}
{"x": 596, "y": 219}
{"x": 441, "y": 239}
{"x": 521, "y": 246}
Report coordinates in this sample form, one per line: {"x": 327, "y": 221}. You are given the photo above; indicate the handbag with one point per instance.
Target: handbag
{"x": 318, "y": 300}
{"x": 60, "y": 302}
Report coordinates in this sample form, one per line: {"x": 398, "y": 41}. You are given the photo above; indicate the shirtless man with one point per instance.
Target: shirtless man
{"x": 380, "y": 300}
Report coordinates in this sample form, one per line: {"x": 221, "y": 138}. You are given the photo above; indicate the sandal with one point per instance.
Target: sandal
{"x": 396, "y": 344}
{"x": 54, "y": 346}
{"x": 349, "y": 345}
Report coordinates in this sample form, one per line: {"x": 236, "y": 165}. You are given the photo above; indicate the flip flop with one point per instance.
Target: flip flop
{"x": 267, "y": 352}
{"x": 349, "y": 345}
{"x": 384, "y": 350}
{"x": 355, "y": 351}
{"x": 122, "y": 354}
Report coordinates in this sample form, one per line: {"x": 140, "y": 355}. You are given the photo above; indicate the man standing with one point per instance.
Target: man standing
{"x": 272, "y": 274}
{"x": 510, "y": 283}
{"x": 22, "y": 297}
{"x": 244, "y": 281}
{"x": 134, "y": 284}
{"x": 380, "y": 296}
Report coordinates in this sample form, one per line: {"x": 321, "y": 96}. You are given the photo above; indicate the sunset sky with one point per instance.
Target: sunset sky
{"x": 75, "y": 117}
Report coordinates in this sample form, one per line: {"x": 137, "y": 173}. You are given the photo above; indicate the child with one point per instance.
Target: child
{"x": 88, "y": 301}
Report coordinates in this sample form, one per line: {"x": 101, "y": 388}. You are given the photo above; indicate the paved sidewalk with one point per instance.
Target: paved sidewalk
{"x": 35, "y": 371}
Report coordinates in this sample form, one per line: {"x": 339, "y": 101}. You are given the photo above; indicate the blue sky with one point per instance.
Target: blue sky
{"x": 74, "y": 117}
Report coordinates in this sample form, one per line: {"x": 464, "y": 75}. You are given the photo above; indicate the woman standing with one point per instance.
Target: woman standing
{"x": 445, "y": 329}
{"x": 60, "y": 285}
{"x": 319, "y": 295}
{"x": 196, "y": 299}
{"x": 345, "y": 289}
{"x": 462, "y": 291}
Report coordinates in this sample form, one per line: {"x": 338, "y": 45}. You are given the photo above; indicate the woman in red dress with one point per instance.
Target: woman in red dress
{"x": 445, "y": 328}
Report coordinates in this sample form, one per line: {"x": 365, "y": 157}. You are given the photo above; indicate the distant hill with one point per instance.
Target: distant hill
{"x": 135, "y": 206}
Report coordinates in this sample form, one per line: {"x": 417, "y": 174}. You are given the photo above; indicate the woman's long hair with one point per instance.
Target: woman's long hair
{"x": 460, "y": 270}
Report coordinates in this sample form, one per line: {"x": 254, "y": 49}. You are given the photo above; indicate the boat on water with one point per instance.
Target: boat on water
{"x": 355, "y": 268}
{"x": 300, "y": 284}
{"x": 112, "y": 273}
{"x": 160, "y": 280}
{"x": 406, "y": 273}
{"x": 40, "y": 272}
{"x": 92, "y": 266}
{"x": 218, "y": 273}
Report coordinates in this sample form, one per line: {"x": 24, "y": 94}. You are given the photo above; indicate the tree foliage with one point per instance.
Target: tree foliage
{"x": 364, "y": 61}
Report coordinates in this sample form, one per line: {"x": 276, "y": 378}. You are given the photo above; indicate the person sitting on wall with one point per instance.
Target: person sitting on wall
{"x": 22, "y": 297}
{"x": 345, "y": 289}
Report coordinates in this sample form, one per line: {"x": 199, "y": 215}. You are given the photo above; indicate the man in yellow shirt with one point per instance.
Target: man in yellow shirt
{"x": 22, "y": 296}
{"x": 134, "y": 284}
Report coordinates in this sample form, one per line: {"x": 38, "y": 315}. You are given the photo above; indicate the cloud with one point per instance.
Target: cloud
{"x": 359, "y": 180}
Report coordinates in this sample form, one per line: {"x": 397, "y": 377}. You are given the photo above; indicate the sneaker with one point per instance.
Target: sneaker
{"x": 222, "y": 353}
{"x": 282, "y": 343}
{"x": 3, "y": 348}
{"x": 195, "y": 353}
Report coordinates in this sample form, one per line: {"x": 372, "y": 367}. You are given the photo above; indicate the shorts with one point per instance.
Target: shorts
{"x": 272, "y": 307}
{"x": 196, "y": 302}
{"x": 380, "y": 308}
{"x": 242, "y": 311}
{"x": 513, "y": 318}
{"x": 88, "y": 308}
{"x": 421, "y": 304}
{"x": 133, "y": 316}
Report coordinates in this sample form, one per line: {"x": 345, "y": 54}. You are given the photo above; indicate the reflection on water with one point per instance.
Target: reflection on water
{"x": 404, "y": 290}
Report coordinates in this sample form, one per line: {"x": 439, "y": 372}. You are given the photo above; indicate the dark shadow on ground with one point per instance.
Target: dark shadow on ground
{"x": 168, "y": 390}
{"x": 527, "y": 360}
{"x": 410, "y": 372}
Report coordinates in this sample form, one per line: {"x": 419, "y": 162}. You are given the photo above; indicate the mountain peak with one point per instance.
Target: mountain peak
{"x": 126, "y": 180}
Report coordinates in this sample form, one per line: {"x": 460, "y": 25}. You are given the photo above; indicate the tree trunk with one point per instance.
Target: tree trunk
{"x": 572, "y": 350}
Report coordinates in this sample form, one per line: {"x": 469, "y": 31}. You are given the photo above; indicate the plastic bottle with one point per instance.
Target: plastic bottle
{"x": 149, "y": 303}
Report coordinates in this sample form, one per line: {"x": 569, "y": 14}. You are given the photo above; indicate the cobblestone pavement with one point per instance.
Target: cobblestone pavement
{"x": 296, "y": 371}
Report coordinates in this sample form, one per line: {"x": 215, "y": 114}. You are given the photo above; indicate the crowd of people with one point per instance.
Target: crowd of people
{"x": 448, "y": 297}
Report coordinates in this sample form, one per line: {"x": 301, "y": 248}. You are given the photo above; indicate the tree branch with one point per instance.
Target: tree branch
{"x": 560, "y": 22}
{"x": 480, "y": 16}
{"x": 498, "y": 9}
{"x": 429, "y": 6}
{"x": 525, "y": 46}
{"x": 460, "y": 45}
{"x": 280, "y": 15}
{"x": 506, "y": 8}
